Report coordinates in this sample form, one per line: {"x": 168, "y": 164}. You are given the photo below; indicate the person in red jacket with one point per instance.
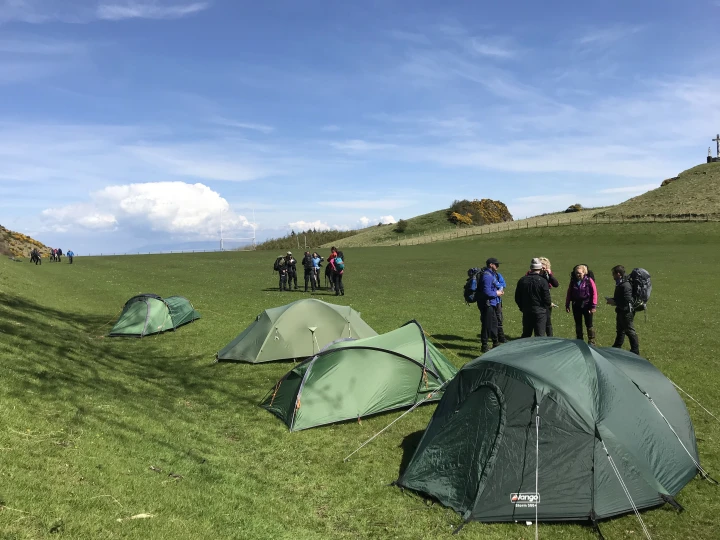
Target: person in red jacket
{"x": 582, "y": 295}
{"x": 337, "y": 264}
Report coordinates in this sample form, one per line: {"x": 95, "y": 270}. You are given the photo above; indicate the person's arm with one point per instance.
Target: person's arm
{"x": 594, "y": 293}
{"x": 546, "y": 294}
{"x": 489, "y": 289}
{"x": 553, "y": 281}
{"x": 518, "y": 295}
{"x": 568, "y": 297}
{"x": 627, "y": 295}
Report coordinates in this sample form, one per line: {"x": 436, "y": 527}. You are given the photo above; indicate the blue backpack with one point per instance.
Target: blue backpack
{"x": 339, "y": 264}
{"x": 471, "y": 286}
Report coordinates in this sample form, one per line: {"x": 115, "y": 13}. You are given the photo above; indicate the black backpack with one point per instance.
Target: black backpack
{"x": 641, "y": 288}
{"x": 279, "y": 264}
{"x": 470, "y": 290}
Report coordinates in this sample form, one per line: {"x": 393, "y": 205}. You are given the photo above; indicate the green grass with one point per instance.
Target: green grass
{"x": 696, "y": 191}
{"x": 85, "y": 417}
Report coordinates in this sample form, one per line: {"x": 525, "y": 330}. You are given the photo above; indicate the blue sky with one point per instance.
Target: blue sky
{"x": 126, "y": 124}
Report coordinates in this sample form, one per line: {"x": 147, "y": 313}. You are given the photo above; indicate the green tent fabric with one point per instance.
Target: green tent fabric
{"x": 297, "y": 330}
{"x": 552, "y": 407}
{"x": 147, "y": 314}
{"x": 353, "y": 379}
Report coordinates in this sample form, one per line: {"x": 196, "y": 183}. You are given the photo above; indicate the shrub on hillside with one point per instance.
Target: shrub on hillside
{"x": 4, "y": 248}
{"x": 574, "y": 208}
{"x": 400, "y": 226}
{"x": 312, "y": 238}
{"x": 666, "y": 182}
{"x": 479, "y": 212}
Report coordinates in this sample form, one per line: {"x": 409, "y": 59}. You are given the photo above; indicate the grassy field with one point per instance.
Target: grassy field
{"x": 696, "y": 191}
{"x": 85, "y": 417}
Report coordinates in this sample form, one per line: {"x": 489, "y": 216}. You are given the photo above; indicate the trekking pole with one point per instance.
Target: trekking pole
{"x": 411, "y": 409}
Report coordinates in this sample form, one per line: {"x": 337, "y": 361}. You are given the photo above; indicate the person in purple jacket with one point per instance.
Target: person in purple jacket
{"x": 582, "y": 295}
{"x": 488, "y": 300}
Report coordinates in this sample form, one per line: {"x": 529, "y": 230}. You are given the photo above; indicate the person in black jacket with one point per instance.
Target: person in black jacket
{"x": 624, "y": 314}
{"x": 291, "y": 264}
{"x": 546, "y": 272}
{"x": 532, "y": 296}
{"x": 308, "y": 267}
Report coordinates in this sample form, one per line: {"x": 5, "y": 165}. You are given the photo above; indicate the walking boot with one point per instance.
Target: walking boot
{"x": 484, "y": 348}
{"x": 501, "y": 335}
{"x": 591, "y": 336}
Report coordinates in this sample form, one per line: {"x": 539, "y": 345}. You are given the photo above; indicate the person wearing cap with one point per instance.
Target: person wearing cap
{"x": 291, "y": 264}
{"x": 488, "y": 304}
{"x": 532, "y": 297}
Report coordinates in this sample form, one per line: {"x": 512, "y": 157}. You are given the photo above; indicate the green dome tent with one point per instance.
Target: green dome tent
{"x": 352, "y": 379}
{"x": 147, "y": 314}
{"x": 297, "y": 330}
{"x": 556, "y": 427}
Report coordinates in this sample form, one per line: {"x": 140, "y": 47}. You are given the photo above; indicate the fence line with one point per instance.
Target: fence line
{"x": 538, "y": 223}
{"x": 176, "y": 251}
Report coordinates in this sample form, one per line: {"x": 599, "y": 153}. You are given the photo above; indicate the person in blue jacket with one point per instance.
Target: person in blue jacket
{"x": 488, "y": 301}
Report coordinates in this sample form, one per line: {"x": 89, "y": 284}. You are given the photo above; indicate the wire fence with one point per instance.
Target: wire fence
{"x": 543, "y": 222}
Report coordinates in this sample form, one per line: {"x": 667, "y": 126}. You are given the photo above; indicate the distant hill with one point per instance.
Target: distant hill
{"x": 17, "y": 244}
{"x": 695, "y": 191}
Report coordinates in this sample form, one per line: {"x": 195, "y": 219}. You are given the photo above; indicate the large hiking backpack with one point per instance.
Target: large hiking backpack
{"x": 641, "y": 288}
{"x": 279, "y": 264}
{"x": 470, "y": 291}
{"x": 339, "y": 264}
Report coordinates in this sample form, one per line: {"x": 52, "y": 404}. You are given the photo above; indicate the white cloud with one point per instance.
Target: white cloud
{"x": 608, "y": 35}
{"x": 243, "y": 125}
{"x": 364, "y": 221}
{"x": 497, "y": 48}
{"x": 147, "y": 10}
{"x": 386, "y": 220}
{"x": 317, "y": 225}
{"x": 631, "y": 189}
{"x": 359, "y": 146}
{"x": 188, "y": 210}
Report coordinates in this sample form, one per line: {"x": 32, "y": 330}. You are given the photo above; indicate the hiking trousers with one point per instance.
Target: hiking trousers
{"x": 292, "y": 276}
{"x": 580, "y": 313}
{"x": 534, "y": 321}
{"x": 625, "y": 326}
{"x": 548, "y": 323}
{"x": 488, "y": 324}
{"x": 500, "y": 329}
{"x": 309, "y": 277}
{"x": 283, "y": 281}
{"x": 339, "y": 288}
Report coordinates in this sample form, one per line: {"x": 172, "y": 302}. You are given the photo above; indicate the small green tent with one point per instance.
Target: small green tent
{"x": 147, "y": 314}
{"x": 556, "y": 429}
{"x": 297, "y": 330}
{"x": 353, "y": 379}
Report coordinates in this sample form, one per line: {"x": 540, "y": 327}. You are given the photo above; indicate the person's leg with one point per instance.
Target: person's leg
{"x": 314, "y": 279}
{"x": 486, "y": 327}
{"x": 588, "y": 315}
{"x": 548, "y": 323}
{"x": 619, "y": 330}
{"x": 307, "y": 278}
{"x": 577, "y": 315}
{"x": 500, "y": 330}
{"x": 338, "y": 276}
{"x": 631, "y": 333}
{"x": 540, "y": 323}
{"x": 528, "y": 324}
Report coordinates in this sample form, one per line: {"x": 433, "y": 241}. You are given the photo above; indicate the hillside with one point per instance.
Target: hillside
{"x": 695, "y": 191}
{"x": 17, "y": 244}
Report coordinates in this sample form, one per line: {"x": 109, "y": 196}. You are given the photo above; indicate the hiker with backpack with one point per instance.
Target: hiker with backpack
{"x": 500, "y": 286}
{"x": 291, "y": 264}
{"x": 280, "y": 267}
{"x": 307, "y": 270}
{"x": 582, "y": 296}
{"x": 70, "y": 255}
{"x": 337, "y": 263}
{"x": 488, "y": 298}
{"x": 624, "y": 310}
{"x": 532, "y": 297}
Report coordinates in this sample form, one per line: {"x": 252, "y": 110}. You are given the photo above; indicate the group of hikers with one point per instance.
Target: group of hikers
{"x": 486, "y": 286}
{"x": 286, "y": 267}
{"x": 55, "y": 255}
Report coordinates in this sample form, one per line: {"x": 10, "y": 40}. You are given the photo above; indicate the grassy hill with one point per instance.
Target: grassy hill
{"x": 695, "y": 191}
{"x": 17, "y": 244}
{"x": 93, "y": 426}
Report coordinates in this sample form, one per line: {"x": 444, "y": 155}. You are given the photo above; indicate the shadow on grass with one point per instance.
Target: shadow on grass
{"x": 57, "y": 359}
{"x": 409, "y": 444}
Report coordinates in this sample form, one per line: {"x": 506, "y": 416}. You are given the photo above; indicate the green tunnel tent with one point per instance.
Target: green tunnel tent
{"x": 296, "y": 330}
{"x": 147, "y": 314}
{"x": 354, "y": 379}
{"x": 576, "y": 416}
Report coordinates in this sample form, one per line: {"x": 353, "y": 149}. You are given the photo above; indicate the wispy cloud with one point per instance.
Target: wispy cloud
{"x": 360, "y": 146}
{"x": 243, "y": 125}
{"x": 497, "y": 48}
{"x": 24, "y": 58}
{"x": 631, "y": 189}
{"x": 330, "y": 128}
{"x": 379, "y": 204}
{"x": 148, "y": 10}
{"x": 601, "y": 37}
{"x": 85, "y": 11}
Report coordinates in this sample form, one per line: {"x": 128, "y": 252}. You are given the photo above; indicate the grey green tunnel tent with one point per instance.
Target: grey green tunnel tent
{"x": 570, "y": 413}
{"x": 146, "y": 314}
{"x": 353, "y": 379}
{"x": 296, "y": 330}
